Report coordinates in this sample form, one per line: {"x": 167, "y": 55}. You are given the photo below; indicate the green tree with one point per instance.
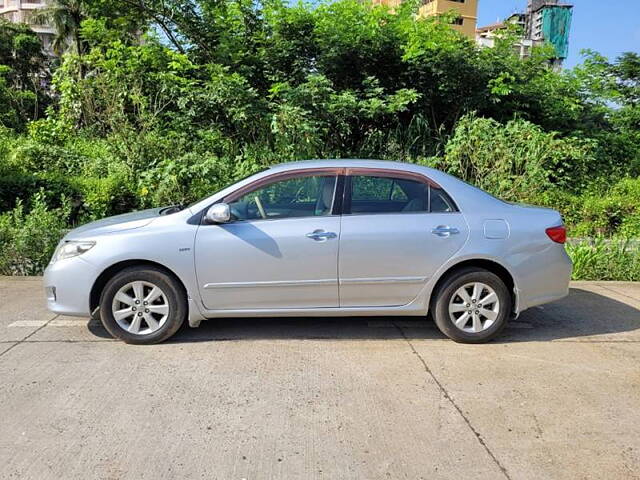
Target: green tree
{"x": 66, "y": 16}
{"x": 24, "y": 74}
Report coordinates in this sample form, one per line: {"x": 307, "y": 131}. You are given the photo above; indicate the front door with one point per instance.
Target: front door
{"x": 280, "y": 251}
{"x": 396, "y": 233}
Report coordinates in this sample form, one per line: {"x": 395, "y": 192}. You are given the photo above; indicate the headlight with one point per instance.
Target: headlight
{"x": 71, "y": 249}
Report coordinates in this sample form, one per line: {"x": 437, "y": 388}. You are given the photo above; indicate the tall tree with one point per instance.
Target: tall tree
{"x": 66, "y": 16}
{"x": 24, "y": 75}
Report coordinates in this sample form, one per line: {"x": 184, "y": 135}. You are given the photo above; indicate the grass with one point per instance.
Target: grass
{"x": 602, "y": 259}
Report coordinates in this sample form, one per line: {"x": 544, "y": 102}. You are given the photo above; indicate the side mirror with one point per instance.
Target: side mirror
{"x": 219, "y": 213}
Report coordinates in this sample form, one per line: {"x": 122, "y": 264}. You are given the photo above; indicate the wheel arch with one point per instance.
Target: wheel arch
{"x": 103, "y": 278}
{"x": 490, "y": 265}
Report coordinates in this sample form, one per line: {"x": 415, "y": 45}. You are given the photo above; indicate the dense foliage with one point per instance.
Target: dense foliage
{"x": 163, "y": 101}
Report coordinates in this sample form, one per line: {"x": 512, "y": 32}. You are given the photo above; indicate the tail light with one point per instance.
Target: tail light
{"x": 557, "y": 234}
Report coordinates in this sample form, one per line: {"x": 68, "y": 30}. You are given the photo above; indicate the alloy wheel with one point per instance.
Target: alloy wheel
{"x": 140, "y": 307}
{"x": 474, "y": 307}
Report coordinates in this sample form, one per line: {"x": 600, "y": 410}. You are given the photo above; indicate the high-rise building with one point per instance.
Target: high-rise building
{"x": 550, "y": 21}
{"x": 24, "y": 11}
{"x": 466, "y": 9}
{"x": 545, "y": 21}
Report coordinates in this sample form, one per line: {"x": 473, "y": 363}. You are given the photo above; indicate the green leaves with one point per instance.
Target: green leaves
{"x": 23, "y": 76}
{"x": 516, "y": 161}
{"x": 605, "y": 260}
{"x": 501, "y": 86}
{"x": 27, "y": 240}
{"x": 166, "y": 101}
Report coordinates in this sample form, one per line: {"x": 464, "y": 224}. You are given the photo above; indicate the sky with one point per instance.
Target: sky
{"x": 606, "y": 26}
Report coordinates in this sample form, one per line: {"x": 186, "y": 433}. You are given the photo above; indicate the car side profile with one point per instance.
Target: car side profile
{"x": 316, "y": 238}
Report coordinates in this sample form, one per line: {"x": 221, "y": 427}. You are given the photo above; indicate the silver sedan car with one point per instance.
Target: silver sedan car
{"x": 316, "y": 238}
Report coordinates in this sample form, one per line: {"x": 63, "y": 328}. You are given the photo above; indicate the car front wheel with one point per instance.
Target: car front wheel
{"x": 472, "y": 306}
{"x": 142, "y": 305}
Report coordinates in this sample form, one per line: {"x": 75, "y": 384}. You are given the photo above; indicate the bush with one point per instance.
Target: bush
{"x": 601, "y": 211}
{"x": 103, "y": 197}
{"x": 15, "y": 187}
{"x": 605, "y": 260}
{"x": 35, "y": 156}
{"x": 237, "y": 86}
{"x": 191, "y": 177}
{"x": 27, "y": 240}
{"x": 515, "y": 161}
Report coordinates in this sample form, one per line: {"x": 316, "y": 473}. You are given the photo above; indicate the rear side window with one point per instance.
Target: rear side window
{"x": 370, "y": 194}
{"x": 387, "y": 194}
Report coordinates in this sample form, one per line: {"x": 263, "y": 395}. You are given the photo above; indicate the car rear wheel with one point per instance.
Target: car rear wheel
{"x": 142, "y": 305}
{"x": 472, "y": 306}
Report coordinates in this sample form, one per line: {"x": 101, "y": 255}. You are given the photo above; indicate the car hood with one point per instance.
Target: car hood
{"x": 117, "y": 223}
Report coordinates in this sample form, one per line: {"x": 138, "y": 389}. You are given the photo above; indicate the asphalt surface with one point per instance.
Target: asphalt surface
{"x": 557, "y": 397}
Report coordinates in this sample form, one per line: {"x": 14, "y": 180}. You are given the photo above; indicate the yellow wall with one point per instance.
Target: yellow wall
{"x": 389, "y": 3}
{"x": 467, "y": 10}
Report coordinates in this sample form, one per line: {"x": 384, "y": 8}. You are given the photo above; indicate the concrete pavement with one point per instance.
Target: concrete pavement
{"x": 556, "y": 397}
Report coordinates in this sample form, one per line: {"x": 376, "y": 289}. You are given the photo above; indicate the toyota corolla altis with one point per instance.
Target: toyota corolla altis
{"x": 316, "y": 238}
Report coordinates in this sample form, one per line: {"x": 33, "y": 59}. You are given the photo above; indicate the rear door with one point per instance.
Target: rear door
{"x": 397, "y": 229}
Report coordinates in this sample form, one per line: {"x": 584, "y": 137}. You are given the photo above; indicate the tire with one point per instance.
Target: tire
{"x": 484, "y": 322}
{"x": 125, "y": 315}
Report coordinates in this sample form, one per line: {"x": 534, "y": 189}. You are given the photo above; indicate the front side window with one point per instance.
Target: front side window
{"x": 307, "y": 196}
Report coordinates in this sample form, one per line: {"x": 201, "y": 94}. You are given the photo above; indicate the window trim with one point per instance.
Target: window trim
{"x": 342, "y": 193}
{"x": 393, "y": 174}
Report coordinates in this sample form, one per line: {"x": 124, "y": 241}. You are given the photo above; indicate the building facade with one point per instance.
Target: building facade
{"x": 487, "y": 36}
{"x": 550, "y": 21}
{"x": 24, "y": 11}
{"x": 467, "y": 9}
{"x": 545, "y": 21}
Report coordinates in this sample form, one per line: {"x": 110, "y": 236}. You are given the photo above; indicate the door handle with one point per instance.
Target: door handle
{"x": 444, "y": 231}
{"x": 320, "y": 235}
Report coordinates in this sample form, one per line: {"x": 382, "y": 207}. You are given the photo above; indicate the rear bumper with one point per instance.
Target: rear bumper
{"x": 67, "y": 285}
{"x": 547, "y": 277}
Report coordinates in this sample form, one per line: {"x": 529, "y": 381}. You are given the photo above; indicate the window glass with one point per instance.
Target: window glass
{"x": 294, "y": 197}
{"x": 370, "y": 194}
{"x": 397, "y": 193}
{"x": 440, "y": 201}
{"x": 371, "y": 188}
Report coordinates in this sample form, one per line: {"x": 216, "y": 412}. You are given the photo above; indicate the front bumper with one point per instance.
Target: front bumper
{"x": 68, "y": 284}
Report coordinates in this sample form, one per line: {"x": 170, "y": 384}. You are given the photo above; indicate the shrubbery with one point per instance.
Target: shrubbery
{"x": 237, "y": 86}
{"x": 517, "y": 161}
{"x": 27, "y": 240}
{"x": 605, "y": 260}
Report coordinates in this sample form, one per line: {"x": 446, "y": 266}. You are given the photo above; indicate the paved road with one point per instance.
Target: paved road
{"x": 557, "y": 397}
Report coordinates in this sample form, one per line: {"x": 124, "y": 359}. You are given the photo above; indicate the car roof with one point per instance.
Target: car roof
{"x": 345, "y": 163}
{"x": 432, "y": 173}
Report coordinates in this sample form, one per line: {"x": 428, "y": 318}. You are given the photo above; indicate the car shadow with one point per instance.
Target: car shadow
{"x": 581, "y": 314}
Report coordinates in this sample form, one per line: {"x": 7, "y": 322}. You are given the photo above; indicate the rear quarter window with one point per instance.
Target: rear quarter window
{"x": 440, "y": 201}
